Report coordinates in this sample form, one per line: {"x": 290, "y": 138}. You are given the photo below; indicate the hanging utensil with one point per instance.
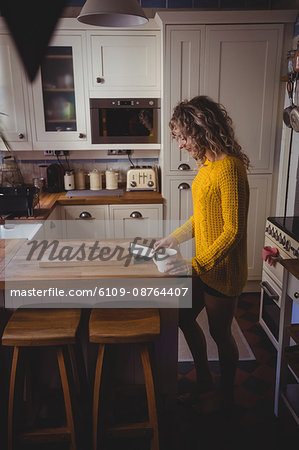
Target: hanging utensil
{"x": 287, "y": 111}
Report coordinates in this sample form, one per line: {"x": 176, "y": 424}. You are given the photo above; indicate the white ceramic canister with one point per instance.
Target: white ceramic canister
{"x": 69, "y": 180}
{"x": 95, "y": 178}
{"x": 80, "y": 179}
{"x": 111, "y": 179}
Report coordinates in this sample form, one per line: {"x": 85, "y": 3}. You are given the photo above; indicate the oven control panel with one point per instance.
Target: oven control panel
{"x": 282, "y": 240}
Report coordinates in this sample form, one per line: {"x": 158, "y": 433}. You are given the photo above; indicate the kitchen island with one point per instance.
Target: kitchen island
{"x": 118, "y": 274}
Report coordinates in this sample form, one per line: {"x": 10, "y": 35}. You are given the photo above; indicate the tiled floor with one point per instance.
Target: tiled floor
{"x": 252, "y": 424}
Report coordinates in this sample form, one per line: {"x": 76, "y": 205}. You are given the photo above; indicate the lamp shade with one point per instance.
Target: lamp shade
{"x": 112, "y": 13}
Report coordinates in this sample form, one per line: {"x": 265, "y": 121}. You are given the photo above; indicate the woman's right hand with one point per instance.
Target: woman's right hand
{"x": 168, "y": 242}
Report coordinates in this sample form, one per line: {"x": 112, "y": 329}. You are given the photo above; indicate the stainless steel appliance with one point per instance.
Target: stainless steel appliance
{"x": 282, "y": 233}
{"x": 142, "y": 179}
{"x": 121, "y": 121}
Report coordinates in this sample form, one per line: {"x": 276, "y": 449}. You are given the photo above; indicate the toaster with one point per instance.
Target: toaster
{"x": 141, "y": 179}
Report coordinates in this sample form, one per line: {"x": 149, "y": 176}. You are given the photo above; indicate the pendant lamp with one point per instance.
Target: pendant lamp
{"x": 112, "y": 13}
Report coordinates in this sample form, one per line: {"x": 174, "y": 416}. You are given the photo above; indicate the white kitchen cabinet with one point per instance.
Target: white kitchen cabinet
{"x": 184, "y": 74}
{"x": 259, "y": 210}
{"x": 85, "y": 221}
{"x": 179, "y": 207}
{"x": 124, "y": 64}
{"x": 236, "y": 65}
{"x": 13, "y": 97}
{"x": 132, "y": 221}
{"x": 242, "y": 70}
{"x": 59, "y": 101}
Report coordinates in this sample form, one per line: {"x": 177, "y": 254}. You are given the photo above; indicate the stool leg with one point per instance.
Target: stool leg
{"x": 150, "y": 393}
{"x": 74, "y": 368}
{"x": 67, "y": 397}
{"x": 96, "y": 393}
{"x": 11, "y": 396}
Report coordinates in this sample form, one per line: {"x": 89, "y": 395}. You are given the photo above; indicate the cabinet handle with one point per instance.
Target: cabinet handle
{"x": 296, "y": 295}
{"x": 81, "y": 135}
{"x": 269, "y": 291}
{"x": 85, "y": 215}
{"x": 184, "y": 167}
{"x": 183, "y": 186}
{"x": 21, "y": 136}
{"x": 136, "y": 215}
{"x": 100, "y": 80}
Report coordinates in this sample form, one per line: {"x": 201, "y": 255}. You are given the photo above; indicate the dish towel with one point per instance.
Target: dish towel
{"x": 268, "y": 253}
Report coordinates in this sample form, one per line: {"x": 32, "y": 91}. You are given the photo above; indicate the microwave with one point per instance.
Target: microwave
{"x": 125, "y": 121}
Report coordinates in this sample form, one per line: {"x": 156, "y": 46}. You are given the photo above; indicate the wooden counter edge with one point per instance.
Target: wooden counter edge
{"x": 292, "y": 266}
{"x": 136, "y": 197}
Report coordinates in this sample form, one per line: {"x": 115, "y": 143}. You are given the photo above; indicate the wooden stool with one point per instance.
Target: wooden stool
{"x": 42, "y": 328}
{"x": 118, "y": 326}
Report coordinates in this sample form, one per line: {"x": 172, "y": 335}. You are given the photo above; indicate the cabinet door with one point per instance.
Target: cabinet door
{"x": 242, "y": 67}
{"x": 13, "y": 97}
{"x": 124, "y": 64}
{"x": 259, "y": 209}
{"x": 58, "y": 94}
{"x": 179, "y": 208}
{"x": 92, "y": 227}
{"x": 184, "y": 73}
{"x": 131, "y": 221}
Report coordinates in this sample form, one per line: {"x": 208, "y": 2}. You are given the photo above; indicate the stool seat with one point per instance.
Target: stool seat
{"x": 41, "y": 327}
{"x": 124, "y": 325}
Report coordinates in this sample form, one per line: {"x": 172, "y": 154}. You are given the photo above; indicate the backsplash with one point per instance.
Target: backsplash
{"x": 32, "y": 168}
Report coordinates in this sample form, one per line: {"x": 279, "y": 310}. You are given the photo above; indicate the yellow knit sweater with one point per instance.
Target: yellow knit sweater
{"x": 219, "y": 225}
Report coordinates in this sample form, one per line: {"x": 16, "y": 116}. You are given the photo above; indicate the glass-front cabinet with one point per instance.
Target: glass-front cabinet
{"x": 58, "y": 93}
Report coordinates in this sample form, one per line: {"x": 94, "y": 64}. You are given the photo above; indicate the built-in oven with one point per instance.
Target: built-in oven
{"x": 125, "y": 121}
{"x": 281, "y": 235}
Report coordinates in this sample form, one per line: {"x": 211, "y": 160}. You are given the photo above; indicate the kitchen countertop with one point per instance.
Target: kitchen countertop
{"x": 48, "y": 201}
{"x": 292, "y": 266}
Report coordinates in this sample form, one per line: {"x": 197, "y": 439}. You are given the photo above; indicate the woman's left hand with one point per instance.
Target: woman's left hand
{"x": 176, "y": 265}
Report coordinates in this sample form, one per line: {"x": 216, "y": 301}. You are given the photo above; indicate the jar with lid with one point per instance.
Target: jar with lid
{"x": 111, "y": 179}
{"x": 69, "y": 180}
{"x": 95, "y": 178}
{"x": 80, "y": 179}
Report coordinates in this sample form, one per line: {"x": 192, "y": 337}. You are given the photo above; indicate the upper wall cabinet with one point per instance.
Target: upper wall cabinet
{"x": 13, "y": 97}
{"x": 184, "y": 79}
{"x": 236, "y": 65}
{"x": 242, "y": 67}
{"x": 59, "y": 105}
{"x": 124, "y": 64}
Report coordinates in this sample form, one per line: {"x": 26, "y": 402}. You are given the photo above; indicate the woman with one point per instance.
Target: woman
{"x": 219, "y": 225}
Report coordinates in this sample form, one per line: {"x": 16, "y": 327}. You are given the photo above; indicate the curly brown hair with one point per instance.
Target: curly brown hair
{"x": 209, "y": 126}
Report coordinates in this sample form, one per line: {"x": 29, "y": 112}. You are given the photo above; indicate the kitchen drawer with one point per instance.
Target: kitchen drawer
{"x": 78, "y": 226}
{"x": 130, "y": 221}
